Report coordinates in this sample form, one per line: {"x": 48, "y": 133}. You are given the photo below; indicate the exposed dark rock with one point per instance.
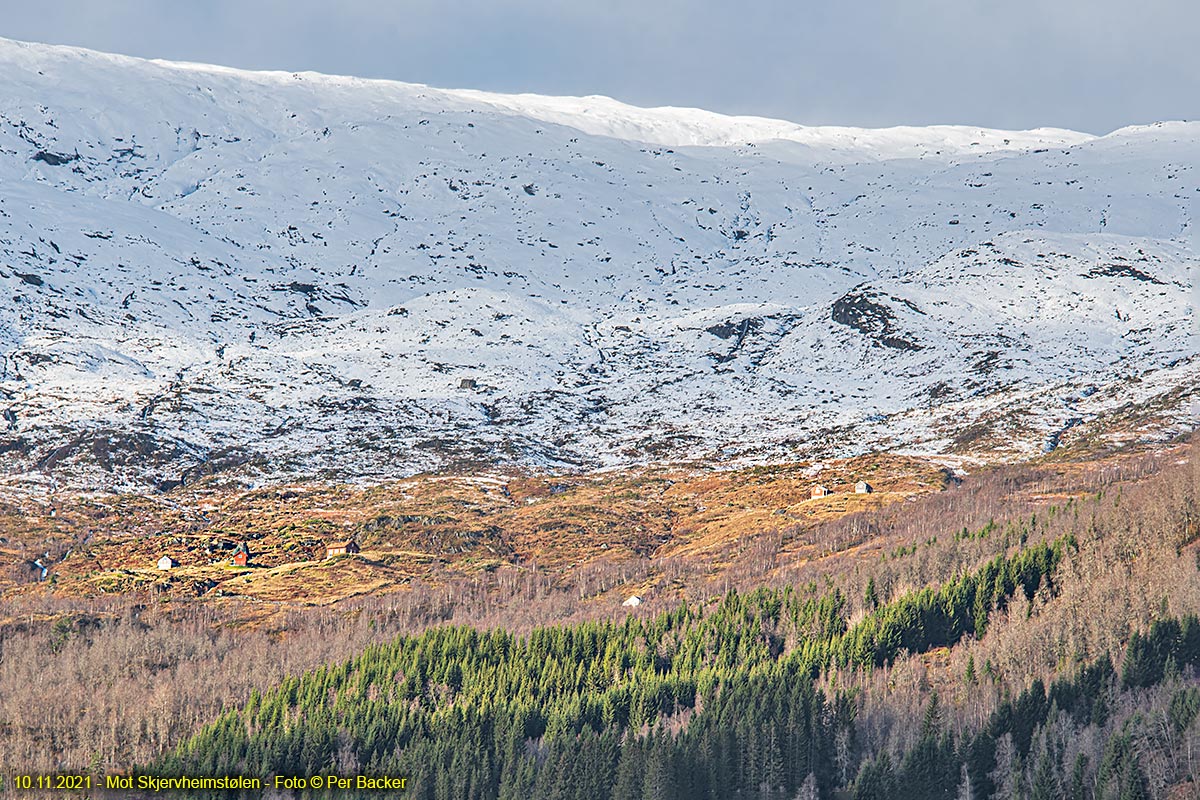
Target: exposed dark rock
{"x": 731, "y": 329}
{"x": 220, "y": 461}
{"x": 109, "y": 449}
{"x": 986, "y": 363}
{"x": 54, "y": 159}
{"x": 19, "y": 446}
{"x": 1122, "y": 271}
{"x": 861, "y": 309}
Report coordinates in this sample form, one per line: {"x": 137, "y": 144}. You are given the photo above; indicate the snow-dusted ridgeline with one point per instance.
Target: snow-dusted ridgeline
{"x": 331, "y": 275}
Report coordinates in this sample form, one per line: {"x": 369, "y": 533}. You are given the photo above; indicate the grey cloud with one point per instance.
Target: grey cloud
{"x": 1088, "y": 64}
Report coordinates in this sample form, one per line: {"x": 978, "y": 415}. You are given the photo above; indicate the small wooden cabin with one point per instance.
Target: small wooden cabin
{"x": 819, "y": 491}
{"x": 166, "y": 562}
{"x": 241, "y": 556}
{"x": 862, "y": 487}
{"x": 340, "y": 548}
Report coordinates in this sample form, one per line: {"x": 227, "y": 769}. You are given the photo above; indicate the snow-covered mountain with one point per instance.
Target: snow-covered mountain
{"x": 204, "y": 267}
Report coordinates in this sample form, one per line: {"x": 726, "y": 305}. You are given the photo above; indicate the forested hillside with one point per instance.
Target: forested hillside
{"x": 454, "y": 707}
{"x": 793, "y": 691}
{"x": 1047, "y": 607}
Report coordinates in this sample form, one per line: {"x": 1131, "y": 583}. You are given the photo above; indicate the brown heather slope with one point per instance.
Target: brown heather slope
{"x": 424, "y": 527}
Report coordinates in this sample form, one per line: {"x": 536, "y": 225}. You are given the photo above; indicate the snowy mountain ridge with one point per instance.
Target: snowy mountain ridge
{"x": 296, "y": 274}
{"x": 596, "y": 115}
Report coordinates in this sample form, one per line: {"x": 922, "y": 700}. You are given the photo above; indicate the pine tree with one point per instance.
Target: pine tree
{"x": 1044, "y": 785}
{"x": 660, "y": 780}
{"x": 870, "y": 597}
{"x": 876, "y": 780}
{"x": 1079, "y": 789}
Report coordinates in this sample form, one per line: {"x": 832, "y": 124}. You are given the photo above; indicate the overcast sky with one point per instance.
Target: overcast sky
{"x": 1091, "y": 65}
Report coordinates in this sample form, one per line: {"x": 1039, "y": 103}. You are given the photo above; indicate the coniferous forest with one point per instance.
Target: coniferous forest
{"x": 768, "y": 693}
{"x": 717, "y": 703}
{"x": 1016, "y": 637}
{"x": 687, "y": 706}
